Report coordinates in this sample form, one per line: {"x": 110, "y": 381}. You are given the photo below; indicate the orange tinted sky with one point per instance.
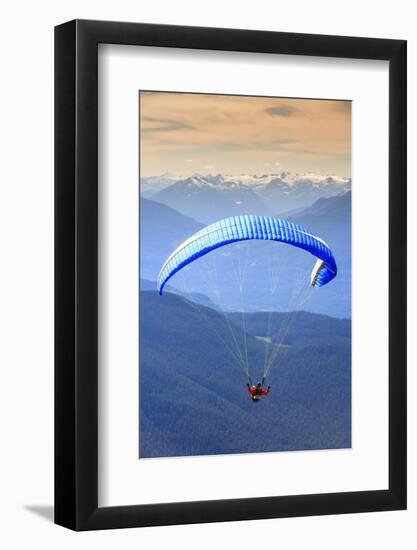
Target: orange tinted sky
{"x": 186, "y": 133}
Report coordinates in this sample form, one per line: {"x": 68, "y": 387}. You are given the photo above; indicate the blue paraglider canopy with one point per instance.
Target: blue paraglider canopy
{"x": 251, "y": 227}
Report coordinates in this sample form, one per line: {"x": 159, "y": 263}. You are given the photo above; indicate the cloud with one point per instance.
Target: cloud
{"x": 281, "y": 110}
{"x": 271, "y": 145}
{"x": 163, "y": 125}
{"x": 235, "y": 133}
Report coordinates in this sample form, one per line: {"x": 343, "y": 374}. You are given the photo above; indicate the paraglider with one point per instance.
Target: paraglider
{"x": 253, "y": 228}
{"x": 250, "y": 227}
{"x": 256, "y": 392}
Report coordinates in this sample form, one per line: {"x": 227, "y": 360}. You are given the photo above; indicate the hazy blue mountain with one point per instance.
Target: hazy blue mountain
{"x": 331, "y": 220}
{"x": 147, "y": 285}
{"x": 162, "y": 229}
{"x": 194, "y": 297}
{"x": 152, "y": 184}
{"x": 193, "y": 398}
{"x": 327, "y": 211}
{"x": 282, "y": 196}
{"x": 208, "y": 199}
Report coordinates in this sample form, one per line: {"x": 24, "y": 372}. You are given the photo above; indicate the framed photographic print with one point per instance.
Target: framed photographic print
{"x": 230, "y": 275}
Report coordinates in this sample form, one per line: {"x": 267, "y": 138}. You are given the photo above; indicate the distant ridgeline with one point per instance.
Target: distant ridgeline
{"x": 208, "y": 198}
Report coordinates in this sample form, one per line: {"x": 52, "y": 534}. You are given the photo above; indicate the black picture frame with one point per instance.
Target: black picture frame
{"x": 76, "y": 273}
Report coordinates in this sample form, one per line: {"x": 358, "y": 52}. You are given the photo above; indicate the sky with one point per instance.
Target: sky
{"x": 184, "y": 133}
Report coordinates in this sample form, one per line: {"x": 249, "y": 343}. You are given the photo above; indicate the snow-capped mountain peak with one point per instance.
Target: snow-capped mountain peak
{"x": 208, "y": 197}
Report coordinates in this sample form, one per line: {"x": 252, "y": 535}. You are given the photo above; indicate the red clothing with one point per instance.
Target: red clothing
{"x": 255, "y": 390}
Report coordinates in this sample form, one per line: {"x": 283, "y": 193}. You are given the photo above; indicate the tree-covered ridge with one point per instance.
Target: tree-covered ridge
{"x": 193, "y": 398}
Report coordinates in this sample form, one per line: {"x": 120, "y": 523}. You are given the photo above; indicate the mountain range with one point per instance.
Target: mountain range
{"x": 162, "y": 229}
{"x": 208, "y": 198}
{"x": 244, "y": 305}
{"x": 152, "y": 184}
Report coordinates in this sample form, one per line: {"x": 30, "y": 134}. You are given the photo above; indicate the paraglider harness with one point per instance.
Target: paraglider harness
{"x": 257, "y": 391}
